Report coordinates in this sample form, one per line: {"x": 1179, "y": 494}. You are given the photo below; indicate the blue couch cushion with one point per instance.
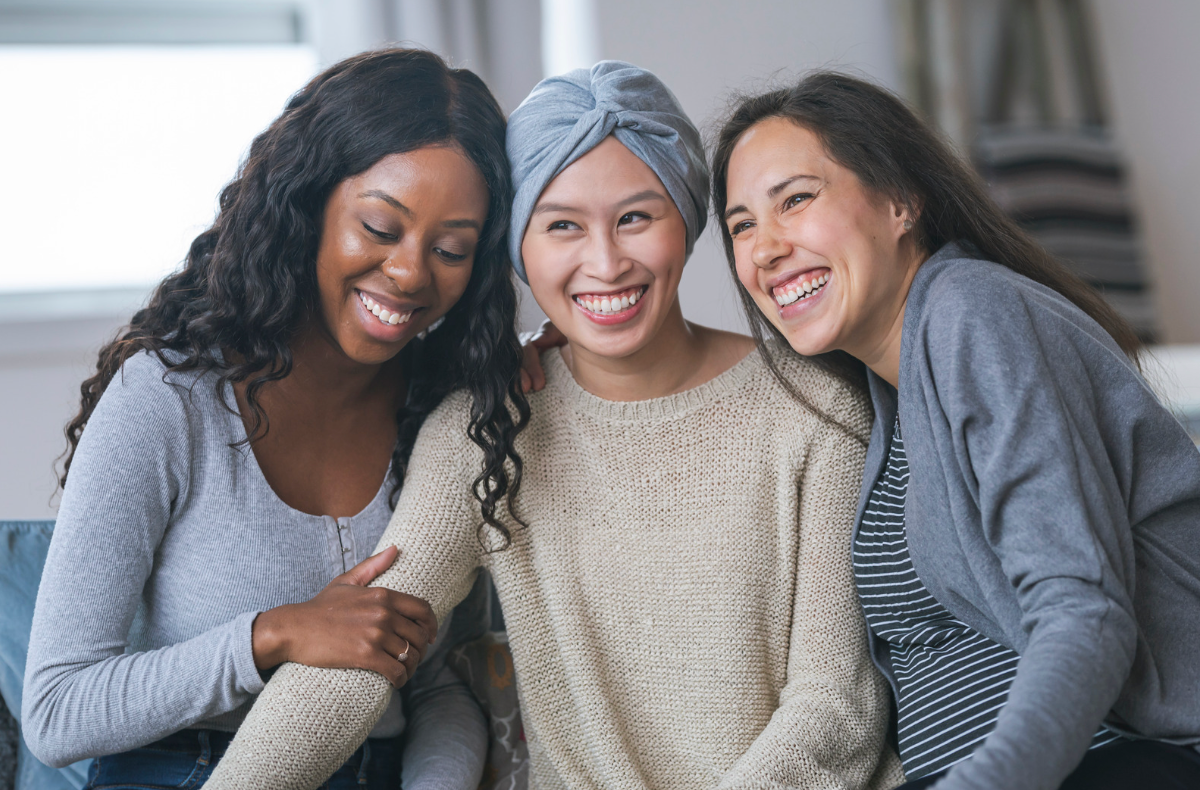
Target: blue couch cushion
{"x": 23, "y": 546}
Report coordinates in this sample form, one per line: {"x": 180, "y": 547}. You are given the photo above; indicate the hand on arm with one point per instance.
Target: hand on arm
{"x": 309, "y": 720}
{"x": 349, "y": 626}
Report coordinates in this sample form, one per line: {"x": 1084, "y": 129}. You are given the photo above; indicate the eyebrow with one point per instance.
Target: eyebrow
{"x": 782, "y": 185}
{"x": 648, "y": 194}
{"x": 396, "y": 204}
{"x": 771, "y": 193}
{"x": 386, "y": 198}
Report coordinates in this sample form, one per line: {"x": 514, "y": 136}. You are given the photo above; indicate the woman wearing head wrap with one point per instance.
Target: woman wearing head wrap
{"x": 675, "y": 571}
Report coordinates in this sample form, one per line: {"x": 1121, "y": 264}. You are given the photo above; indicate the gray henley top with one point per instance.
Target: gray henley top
{"x": 168, "y": 544}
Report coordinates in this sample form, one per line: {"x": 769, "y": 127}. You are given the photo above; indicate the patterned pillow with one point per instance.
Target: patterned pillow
{"x": 487, "y": 667}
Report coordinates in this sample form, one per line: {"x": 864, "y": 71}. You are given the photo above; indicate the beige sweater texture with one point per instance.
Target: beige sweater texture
{"x": 681, "y": 607}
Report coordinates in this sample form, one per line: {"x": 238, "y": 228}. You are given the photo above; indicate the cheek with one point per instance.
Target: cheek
{"x": 663, "y": 253}
{"x": 452, "y": 283}
{"x": 548, "y": 268}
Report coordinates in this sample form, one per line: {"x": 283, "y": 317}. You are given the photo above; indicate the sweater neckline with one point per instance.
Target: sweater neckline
{"x": 559, "y": 377}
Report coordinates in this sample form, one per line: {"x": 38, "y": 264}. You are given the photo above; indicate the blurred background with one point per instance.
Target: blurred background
{"x": 120, "y": 120}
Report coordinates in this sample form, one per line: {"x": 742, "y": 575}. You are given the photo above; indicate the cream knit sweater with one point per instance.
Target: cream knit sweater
{"x": 681, "y": 608}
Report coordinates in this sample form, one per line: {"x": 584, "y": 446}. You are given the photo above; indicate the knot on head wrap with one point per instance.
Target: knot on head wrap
{"x": 568, "y": 115}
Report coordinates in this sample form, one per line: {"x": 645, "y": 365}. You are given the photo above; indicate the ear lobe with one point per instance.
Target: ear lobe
{"x": 907, "y": 215}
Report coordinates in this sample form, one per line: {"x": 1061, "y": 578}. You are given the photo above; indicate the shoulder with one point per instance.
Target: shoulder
{"x": 962, "y": 302}
{"x": 822, "y": 391}
{"x": 451, "y": 417}
{"x": 444, "y": 445}
{"x": 146, "y": 391}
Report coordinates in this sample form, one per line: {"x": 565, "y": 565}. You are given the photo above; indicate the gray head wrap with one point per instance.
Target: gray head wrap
{"x": 568, "y": 115}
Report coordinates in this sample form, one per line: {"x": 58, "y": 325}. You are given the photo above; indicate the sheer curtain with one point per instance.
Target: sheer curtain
{"x": 498, "y": 39}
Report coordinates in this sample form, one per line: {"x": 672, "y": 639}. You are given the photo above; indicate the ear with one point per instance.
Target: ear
{"x": 905, "y": 217}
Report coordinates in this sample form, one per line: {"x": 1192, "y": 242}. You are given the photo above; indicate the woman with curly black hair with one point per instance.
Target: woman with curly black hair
{"x": 243, "y": 442}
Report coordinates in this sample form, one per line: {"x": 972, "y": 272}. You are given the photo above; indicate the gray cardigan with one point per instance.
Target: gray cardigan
{"x": 1054, "y": 506}
{"x": 168, "y": 544}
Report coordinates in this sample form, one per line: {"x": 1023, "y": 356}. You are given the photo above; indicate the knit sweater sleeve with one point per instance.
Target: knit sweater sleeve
{"x": 830, "y": 727}
{"x": 308, "y": 721}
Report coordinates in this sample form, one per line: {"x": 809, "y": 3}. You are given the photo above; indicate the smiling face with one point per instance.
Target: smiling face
{"x": 397, "y": 248}
{"x": 827, "y": 261}
{"x": 604, "y": 251}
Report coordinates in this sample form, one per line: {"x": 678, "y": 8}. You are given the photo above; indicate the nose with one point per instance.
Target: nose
{"x": 769, "y": 244}
{"x": 605, "y": 260}
{"x": 408, "y": 269}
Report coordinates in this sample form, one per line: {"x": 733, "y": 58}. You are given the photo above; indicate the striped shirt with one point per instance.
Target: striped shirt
{"x": 951, "y": 680}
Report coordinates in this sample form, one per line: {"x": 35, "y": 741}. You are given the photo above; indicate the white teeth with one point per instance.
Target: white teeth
{"x": 801, "y": 290}
{"x": 610, "y": 304}
{"x": 385, "y": 316}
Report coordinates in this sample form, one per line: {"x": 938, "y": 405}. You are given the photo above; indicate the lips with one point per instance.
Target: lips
{"x": 804, "y": 286}
{"x": 610, "y": 303}
{"x": 384, "y": 315}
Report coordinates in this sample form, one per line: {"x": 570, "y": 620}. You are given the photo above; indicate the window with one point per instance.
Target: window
{"x": 113, "y": 155}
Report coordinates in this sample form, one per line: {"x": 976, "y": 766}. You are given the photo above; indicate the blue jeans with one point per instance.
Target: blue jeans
{"x": 186, "y": 760}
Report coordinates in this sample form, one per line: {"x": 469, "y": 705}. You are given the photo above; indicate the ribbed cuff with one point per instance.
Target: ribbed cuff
{"x": 248, "y": 677}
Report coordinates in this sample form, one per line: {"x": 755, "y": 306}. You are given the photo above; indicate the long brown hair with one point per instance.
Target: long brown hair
{"x": 248, "y": 284}
{"x": 872, "y": 133}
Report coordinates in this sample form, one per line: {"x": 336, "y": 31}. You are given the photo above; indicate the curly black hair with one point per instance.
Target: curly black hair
{"x": 248, "y": 284}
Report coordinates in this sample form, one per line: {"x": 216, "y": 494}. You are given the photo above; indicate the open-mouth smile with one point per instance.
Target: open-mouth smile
{"x": 385, "y": 315}
{"x": 806, "y": 286}
{"x": 610, "y": 304}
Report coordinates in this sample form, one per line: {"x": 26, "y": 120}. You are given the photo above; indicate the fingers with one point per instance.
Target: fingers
{"x": 394, "y": 648}
{"x": 384, "y": 662}
{"x": 366, "y": 571}
{"x": 415, "y": 610}
{"x": 398, "y": 647}
{"x": 532, "y": 376}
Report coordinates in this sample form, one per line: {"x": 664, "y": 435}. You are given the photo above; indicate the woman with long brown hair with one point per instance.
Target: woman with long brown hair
{"x": 243, "y": 442}
{"x": 1027, "y": 552}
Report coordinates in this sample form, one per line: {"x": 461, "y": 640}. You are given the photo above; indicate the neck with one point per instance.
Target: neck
{"x": 323, "y": 376}
{"x": 880, "y": 349}
{"x": 670, "y": 362}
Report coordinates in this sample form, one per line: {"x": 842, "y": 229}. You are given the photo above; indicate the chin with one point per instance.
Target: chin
{"x": 806, "y": 342}
{"x": 616, "y": 345}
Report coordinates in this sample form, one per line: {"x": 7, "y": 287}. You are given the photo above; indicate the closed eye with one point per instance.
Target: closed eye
{"x": 379, "y": 234}
{"x": 450, "y": 257}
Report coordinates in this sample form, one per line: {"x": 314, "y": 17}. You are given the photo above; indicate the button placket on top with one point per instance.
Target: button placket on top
{"x": 346, "y": 541}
